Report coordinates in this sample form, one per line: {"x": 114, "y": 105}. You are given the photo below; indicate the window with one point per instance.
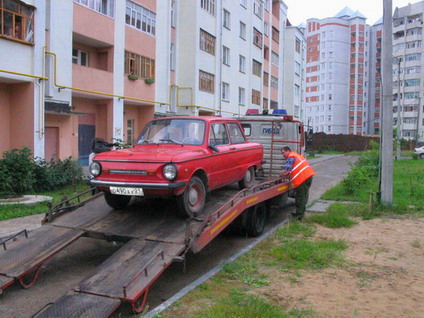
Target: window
{"x": 140, "y": 18}
{"x": 208, "y": 5}
{"x": 297, "y": 45}
{"x": 242, "y": 30}
{"x": 236, "y": 135}
{"x": 226, "y": 55}
{"x": 242, "y": 64}
{"x": 274, "y": 58}
{"x": 266, "y": 29}
{"x": 218, "y": 135}
{"x": 256, "y": 68}
{"x": 412, "y": 82}
{"x": 275, "y": 35}
{"x": 225, "y": 91}
{"x": 266, "y": 79}
{"x": 274, "y": 82}
{"x": 242, "y": 96}
{"x": 16, "y": 21}
{"x": 138, "y": 65}
{"x": 274, "y": 105}
{"x": 80, "y": 57}
{"x": 173, "y": 14}
{"x": 257, "y": 38}
{"x": 207, "y": 42}
{"x": 266, "y": 53}
{"x": 227, "y": 19}
{"x": 265, "y": 103}
{"x": 130, "y": 131}
{"x": 256, "y": 97}
{"x": 172, "y": 58}
{"x": 206, "y": 82}
{"x": 103, "y": 6}
{"x": 413, "y": 57}
{"x": 258, "y": 8}
{"x": 296, "y": 90}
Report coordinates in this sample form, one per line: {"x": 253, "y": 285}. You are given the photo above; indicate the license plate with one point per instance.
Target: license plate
{"x": 127, "y": 191}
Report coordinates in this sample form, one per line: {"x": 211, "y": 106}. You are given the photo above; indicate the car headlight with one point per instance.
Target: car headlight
{"x": 170, "y": 172}
{"x": 95, "y": 169}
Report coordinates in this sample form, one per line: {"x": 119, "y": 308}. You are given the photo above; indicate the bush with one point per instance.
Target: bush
{"x": 56, "y": 174}
{"x": 363, "y": 171}
{"x": 17, "y": 171}
{"x": 20, "y": 173}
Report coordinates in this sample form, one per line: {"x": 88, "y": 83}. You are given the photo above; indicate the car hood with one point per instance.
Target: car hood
{"x": 152, "y": 153}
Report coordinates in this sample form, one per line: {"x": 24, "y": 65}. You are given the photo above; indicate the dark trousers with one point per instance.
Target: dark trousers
{"x": 301, "y": 198}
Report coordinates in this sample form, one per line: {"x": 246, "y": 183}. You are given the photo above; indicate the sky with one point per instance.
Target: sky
{"x": 301, "y": 10}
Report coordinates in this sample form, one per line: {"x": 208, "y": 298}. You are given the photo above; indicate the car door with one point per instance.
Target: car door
{"x": 221, "y": 162}
{"x": 237, "y": 148}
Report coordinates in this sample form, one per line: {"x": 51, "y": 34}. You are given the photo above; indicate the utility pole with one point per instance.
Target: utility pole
{"x": 386, "y": 175}
{"x": 399, "y": 60}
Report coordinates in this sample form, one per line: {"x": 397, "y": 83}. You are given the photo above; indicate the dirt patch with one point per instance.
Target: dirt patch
{"x": 383, "y": 276}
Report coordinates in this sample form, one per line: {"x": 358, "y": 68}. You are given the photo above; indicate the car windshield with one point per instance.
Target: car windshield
{"x": 173, "y": 131}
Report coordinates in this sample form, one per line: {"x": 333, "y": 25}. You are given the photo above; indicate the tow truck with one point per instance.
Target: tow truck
{"x": 154, "y": 238}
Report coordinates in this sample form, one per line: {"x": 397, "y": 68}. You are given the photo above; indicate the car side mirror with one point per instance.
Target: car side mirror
{"x": 214, "y": 148}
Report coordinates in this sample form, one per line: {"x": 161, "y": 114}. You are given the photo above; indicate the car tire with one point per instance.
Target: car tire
{"x": 255, "y": 220}
{"x": 422, "y": 155}
{"x": 248, "y": 180}
{"x": 117, "y": 201}
{"x": 192, "y": 201}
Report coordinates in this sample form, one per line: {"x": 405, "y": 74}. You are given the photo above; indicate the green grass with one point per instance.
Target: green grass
{"x": 408, "y": 187}
{"x": 294, "y": 229}
{"x": 332, "y": 219}
{"x": 238, "y": 304}
{"x": 11, "y": 211}
{"x": 304, "y": 254}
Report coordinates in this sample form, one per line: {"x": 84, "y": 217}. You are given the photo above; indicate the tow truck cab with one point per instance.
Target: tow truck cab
{"x": 273, "y": 131}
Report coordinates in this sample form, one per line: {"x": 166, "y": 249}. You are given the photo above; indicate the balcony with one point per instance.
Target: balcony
{"x": 92, "y": 79}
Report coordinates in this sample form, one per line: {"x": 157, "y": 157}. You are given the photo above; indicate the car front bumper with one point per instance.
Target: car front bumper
{"x": 144, "y": 185}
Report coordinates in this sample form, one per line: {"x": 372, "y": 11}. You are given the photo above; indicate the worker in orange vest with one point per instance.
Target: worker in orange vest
{"x": 301, "y": 173}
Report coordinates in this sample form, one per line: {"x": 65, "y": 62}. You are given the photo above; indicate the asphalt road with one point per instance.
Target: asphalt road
{"x": 65, "y": 270}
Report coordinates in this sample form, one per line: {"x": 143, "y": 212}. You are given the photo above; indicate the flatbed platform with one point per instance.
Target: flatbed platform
{"x": 154, "y": 236}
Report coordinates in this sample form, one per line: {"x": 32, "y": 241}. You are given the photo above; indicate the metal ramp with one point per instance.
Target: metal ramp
{"x": 23, "y": 259}
{"x": 76, "y": 305}
{"x": 125, "y": 276}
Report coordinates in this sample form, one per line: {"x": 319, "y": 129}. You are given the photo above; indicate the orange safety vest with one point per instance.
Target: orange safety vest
{"x": 301, "y": 170}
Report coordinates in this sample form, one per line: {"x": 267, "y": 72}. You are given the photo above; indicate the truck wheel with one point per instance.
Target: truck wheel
{"x": 280, "y": 200}
{"x": 192, "y": 201}
{"x": 422, "y": 155}
{"x": 256, "y": 219}
{"x": 116, "y": 201}
{"x": 248, "y": 180}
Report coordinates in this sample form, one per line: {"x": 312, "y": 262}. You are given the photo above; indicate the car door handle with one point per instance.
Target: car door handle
{"x": 232, "y": 148}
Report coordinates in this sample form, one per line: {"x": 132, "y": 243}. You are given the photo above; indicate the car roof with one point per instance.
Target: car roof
{"x": 205, "y": 118}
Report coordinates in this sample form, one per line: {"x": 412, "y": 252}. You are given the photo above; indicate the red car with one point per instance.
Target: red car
{"x": 185, "y": 157}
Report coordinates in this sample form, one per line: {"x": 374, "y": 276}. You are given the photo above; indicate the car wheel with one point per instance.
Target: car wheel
{"x": 422, "y": 155}
{"x": 256, "y": 219}
{"x": 116, "y": 201}
{"x": 192, "y": 201}
{"x": 248, "y": 180}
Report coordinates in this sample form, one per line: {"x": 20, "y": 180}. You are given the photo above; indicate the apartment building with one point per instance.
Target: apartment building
{"x": 408, "y": 79}
{"x": 375, "y": 87}
{"x": 337, "y": 73}
{"x": 74, "y": 70}
{"x": 294, "y": 71}
{"x": 229, "y": 57}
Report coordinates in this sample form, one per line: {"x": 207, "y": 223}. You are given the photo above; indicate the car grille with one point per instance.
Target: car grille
{"x": 138, "y": 172}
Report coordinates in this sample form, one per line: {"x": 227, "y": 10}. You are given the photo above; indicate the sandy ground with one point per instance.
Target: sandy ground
{"x": 383, "y": 275}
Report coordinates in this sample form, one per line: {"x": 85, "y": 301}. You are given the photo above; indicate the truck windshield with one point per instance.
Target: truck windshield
{"x": 173, "y": 131}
